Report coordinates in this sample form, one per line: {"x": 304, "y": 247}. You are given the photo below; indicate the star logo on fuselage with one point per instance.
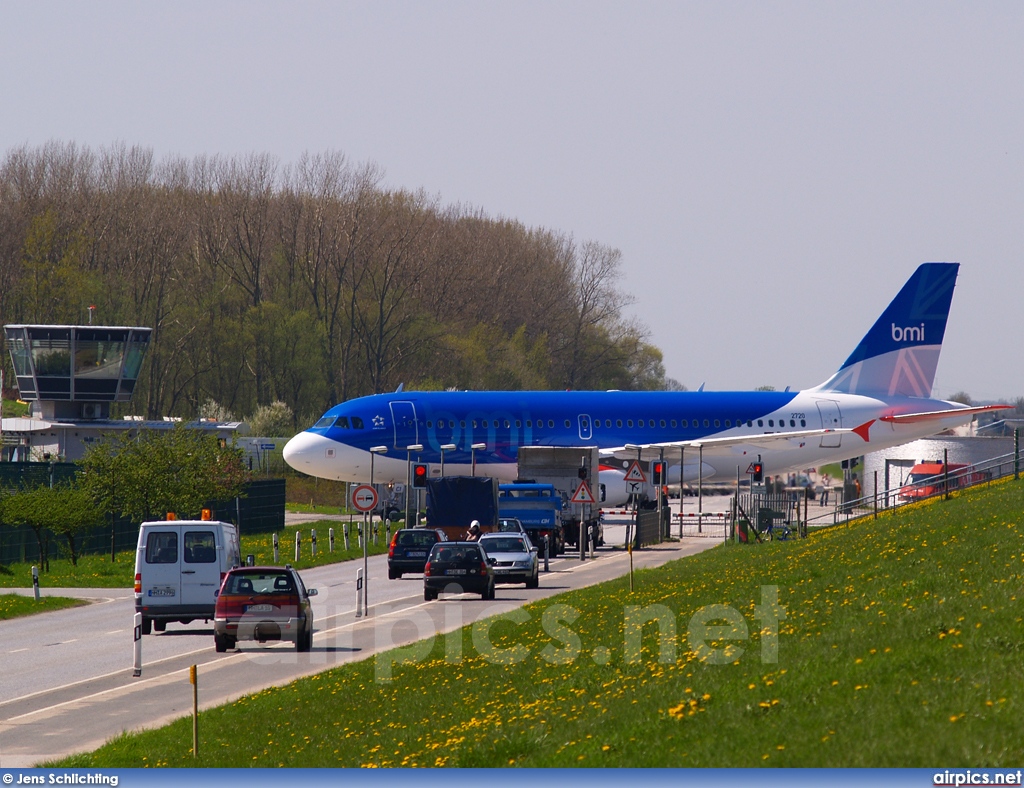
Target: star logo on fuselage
{"x": 378, "y": 422}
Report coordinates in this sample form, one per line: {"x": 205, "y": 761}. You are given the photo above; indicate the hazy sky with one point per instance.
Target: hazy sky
{"x": 771, "y": 172}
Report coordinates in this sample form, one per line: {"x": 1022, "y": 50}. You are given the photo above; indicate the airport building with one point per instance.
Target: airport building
{"x": 70, "y": 376}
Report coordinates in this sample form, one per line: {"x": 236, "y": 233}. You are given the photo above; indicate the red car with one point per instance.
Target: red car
{"x": 263, "y": 603}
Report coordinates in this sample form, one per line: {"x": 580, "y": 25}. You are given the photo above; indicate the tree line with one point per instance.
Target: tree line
{"x": 307, "y": 283}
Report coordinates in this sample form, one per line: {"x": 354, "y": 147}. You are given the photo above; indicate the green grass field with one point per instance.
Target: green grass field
{"x": 97, "y": 571}
{"x": 902, "y": 645}
{"x": 15, "y": 605}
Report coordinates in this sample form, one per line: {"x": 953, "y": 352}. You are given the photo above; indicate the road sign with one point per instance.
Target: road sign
{"x": 268, "y": 446}
{"x": 583, "y": 494}
{"x": 635, "y": 473}
{"x": 633, "y": 488}
{"x": 364, "y": 498}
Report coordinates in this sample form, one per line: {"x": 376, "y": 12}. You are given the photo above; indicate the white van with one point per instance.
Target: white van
{"x": 179, "y": 566}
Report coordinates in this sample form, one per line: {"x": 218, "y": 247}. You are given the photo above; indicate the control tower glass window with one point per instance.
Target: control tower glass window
{"x": 51, "y": 357}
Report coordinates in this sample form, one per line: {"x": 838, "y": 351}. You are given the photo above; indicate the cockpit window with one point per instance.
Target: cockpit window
{"x": 343, "y": 422}
{"x": 357, "y": 423}
{"x": 324, "y": 423}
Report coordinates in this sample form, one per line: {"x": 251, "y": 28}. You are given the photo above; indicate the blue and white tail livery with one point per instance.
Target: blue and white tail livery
{"x": 879, "y": 397}
{"x": 900, "y": 353}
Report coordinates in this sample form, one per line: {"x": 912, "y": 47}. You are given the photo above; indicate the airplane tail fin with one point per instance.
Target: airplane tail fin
{"x": 900, "y": 353}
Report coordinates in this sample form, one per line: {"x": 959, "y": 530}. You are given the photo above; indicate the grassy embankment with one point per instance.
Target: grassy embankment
{"x": 902, "y": 645}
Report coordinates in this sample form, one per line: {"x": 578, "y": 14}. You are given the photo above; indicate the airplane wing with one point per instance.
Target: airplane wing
{"x": 711, "y": 446}
{"x": 914, "y": 418}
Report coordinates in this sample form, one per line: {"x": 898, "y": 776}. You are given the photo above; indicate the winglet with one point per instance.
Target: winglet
{"x": 862, "y": 430}
{"x": 900, "y": 353}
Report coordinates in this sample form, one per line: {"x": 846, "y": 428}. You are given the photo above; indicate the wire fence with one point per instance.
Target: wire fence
{"x": 795, "y": 512}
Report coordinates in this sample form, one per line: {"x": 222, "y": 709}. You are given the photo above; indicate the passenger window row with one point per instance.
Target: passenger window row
{"x": 356, "y": 423}
{"x": 607, "y": 423}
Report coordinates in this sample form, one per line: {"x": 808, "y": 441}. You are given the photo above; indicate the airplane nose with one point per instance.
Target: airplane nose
{"x": 305, "y": 451}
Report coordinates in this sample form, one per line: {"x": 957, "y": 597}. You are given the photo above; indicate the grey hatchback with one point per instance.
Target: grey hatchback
{"x": 514, "y": 558}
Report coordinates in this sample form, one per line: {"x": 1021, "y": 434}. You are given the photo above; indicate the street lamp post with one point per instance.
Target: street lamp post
{"x": 636, "y": 498}
{"x": 474, "y": 448}
{"x": 374, "y": 451}
{"x": 444, "y": 448}
{"x": 661, "y": 487}
{"x": 408, "y": 480}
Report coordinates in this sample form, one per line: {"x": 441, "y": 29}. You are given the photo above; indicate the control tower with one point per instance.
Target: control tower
{"x": 75, "y": 372}
{"x": 70, "y": 375}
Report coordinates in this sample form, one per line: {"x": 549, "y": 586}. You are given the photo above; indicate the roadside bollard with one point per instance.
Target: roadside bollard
{"x": 591, "y": 538}
{"x": 194, "y": 681}
{"x": 359, "y": 593}
{"x": 330, "y": 538}
{"x": 387, "y": 532}
{"x": 359, "y": 529}
{"x": 298, "y": 545}
{"x": 344, "y": 533}
{"x": 35, "y": 581}
{"x": 376, "y": 528}
{"x": 313, "y": 540}
{"x": 546, "y": 567}
{"x": 277, "y": 554}
{"x": 137, "y": 671}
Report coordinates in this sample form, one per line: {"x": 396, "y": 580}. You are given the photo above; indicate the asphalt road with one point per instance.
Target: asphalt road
{"x": 68, "y": 683}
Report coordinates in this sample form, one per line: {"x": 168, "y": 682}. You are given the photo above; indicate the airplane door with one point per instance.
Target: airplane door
{"x": 586, "y": 429}
{"x": 831, "y": 419}
{"x": 403, "y": 414}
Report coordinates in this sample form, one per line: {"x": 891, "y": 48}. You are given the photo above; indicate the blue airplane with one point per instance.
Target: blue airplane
{"x": 880, "y": 397}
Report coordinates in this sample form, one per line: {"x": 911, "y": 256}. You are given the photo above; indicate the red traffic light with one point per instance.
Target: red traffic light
{"x": 419, "y": 475}
{"x": 658, "y": 473}
{"x": 758, "y": 472}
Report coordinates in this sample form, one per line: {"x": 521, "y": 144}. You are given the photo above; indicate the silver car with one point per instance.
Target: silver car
{"x": 512, "y": 557}
{"x": 510, "y": 525}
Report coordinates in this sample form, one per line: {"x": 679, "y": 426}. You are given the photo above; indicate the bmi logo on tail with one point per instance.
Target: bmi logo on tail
{"x": 908, "y": 334}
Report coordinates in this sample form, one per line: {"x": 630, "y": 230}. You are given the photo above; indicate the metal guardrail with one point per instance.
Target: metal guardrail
{"x": 849, "y": 508}
{"x": 802, "y": 514}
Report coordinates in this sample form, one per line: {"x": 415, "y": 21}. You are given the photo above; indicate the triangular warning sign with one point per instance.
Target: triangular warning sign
{"x": 635, "y": 473}
{"x": 583, "y": 494}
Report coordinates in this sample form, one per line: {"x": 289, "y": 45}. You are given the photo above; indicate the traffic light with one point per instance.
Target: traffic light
{"x": 419, "y": 475}
{"x": 582, "y": 472}
{"x": 758, "y": 472}
{"x": 657, "y": 473}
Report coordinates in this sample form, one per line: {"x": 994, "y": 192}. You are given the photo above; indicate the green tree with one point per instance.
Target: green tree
{"x": 64, "y": 510}
{"x": 152, "y": 473}
{"x": 75, "y": 511}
